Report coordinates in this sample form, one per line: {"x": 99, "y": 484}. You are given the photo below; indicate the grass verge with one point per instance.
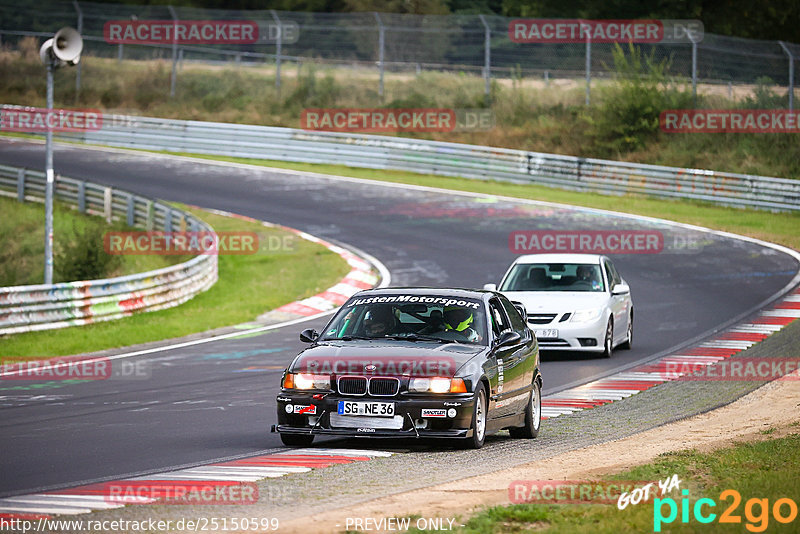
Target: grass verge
{"x": 776, "y": 228}
{"x": 78, "y": 239}
{"x": 248, "y": 286}
{"x": 761, "y": 471}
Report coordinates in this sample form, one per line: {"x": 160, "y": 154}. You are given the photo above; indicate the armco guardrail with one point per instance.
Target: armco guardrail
{"x": 44, "y": 307}
{"x": 448, "y": 159}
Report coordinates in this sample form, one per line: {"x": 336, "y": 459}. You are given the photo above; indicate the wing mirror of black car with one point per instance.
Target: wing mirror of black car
{"x": 521, "y": 309}
{"x": 309, "y": 335}
{"x": 621, "y": 289}
{"x": 509, "y": 337}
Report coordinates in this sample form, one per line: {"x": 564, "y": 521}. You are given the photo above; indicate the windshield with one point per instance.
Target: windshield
{"x": 410, "y": 317}
{"x": 554, "y": 277}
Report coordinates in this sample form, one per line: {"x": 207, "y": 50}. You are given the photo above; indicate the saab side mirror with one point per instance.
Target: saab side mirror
{"x": 509, "y": 337}
{"x": 621, "y": 289}
{"x": 490, "y": 287}
{"x": 309, "y": 335}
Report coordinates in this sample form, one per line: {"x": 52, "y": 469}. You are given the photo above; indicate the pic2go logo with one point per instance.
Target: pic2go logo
{"x": 756, "y": 511}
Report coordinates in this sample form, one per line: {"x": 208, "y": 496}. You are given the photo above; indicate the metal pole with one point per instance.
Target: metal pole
{"x": 487, "y": 57}
{"x": 380, "y": 52}
{"x": 80, "y": 30}
{"x": 588, "y": 65}
{"x": 791, "y": 74}
{"x": 48, "y": 192}
{"x": 278, "y": 50}
{"x": 694, "y": 72}
{"x": 174, "y": 76}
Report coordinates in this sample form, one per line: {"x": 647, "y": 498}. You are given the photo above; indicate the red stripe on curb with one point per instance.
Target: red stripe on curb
{"x": 299, "y": 309}
{"x": 30, "y": 517}
{"x": 356, "y": 283}
{"x": 336, "y": 298}
{"x": 774, "y": 320}
{"x": 743, "y": 336}
{"x": 788, "y": 305}
{"x": 710, "y": 351}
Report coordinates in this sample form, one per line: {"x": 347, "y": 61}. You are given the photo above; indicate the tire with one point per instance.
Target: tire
{"x": 628, "y": 344}
{"x": 533, "y": 415}
{"x": 608, "y": 342}
{"x": 297, "y": 440}
{"x": 479, "y": 418}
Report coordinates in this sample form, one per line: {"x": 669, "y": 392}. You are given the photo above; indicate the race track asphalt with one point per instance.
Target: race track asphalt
{"x": 217, "y": 400}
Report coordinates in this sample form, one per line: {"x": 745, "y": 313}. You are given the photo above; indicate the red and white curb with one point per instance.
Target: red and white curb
{"x": 724, "y": 345}
{"x": 94, "y": 497}
{"x": 362, "y": 275}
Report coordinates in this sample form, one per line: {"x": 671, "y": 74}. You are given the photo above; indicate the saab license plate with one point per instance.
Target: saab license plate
{"x": 548, "y": 333}
{"x": 373, "y": 409}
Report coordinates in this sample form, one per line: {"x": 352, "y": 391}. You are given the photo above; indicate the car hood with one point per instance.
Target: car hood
{"x": 389, "y": 358}
{"x": 558, "y": 301}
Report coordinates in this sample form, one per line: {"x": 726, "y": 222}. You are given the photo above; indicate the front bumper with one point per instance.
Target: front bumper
{"x": 582, "y": 337}
{"x": 456, "y": 423}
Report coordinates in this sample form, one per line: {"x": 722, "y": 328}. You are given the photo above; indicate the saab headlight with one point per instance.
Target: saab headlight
{"x": 585, "y": 316}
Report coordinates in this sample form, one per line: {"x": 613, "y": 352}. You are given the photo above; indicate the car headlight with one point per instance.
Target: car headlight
{"x": 437, "y": 384}
{"x": 306, "y": 381}
{"x": 584, "y": 316}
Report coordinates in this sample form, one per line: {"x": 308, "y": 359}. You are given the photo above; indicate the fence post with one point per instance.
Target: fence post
{"x": 119, "y": 53}
{"x": 107, "y": 203}
{"x": 588, "y": 63}
{"x": 168, "y": 220}
{"x": 173, "y": 77}
{"x": 131, "y": 215}
{"x": 80, "y": 30}
{"x": 82, "y": 197}
{"x": 791, "y": 74}
{"x": 21, "y": 185}
{"x": 381, "y": 41}
{"x": 487, "y": 57}
{"x": 694, "y": 72}
{"x": 278, "y": 51}
{"x": 151, "y": 216}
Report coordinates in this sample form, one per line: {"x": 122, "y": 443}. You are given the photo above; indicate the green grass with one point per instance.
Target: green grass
{"x": 779, "y": 228}
{"x": 762, "y": 470}
{"x": 22, "y": 244}
{"x": 248, "y": 286}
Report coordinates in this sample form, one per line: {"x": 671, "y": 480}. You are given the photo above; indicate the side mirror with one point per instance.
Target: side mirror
{"x": 309, "y": 335}
{"x": 621, "y": 289}
{"x": 509, "y": 337}
{"x": 490, "y": 287}
{"x": 521, "y": 309}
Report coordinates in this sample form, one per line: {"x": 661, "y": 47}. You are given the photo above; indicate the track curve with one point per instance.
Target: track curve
{"x": 202, "y": 404}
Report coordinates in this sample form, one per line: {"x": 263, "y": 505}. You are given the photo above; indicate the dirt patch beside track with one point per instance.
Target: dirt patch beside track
{"x": 772, "y": 406}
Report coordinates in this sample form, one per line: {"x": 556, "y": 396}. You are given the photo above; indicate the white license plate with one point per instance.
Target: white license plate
{"x": 546, "y": 333}
{"x": 372, "y": 409}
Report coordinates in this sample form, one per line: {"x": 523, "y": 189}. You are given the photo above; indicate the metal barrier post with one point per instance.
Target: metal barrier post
{"x": 791, "y": 74}
{"x": 21, "y": 185}
{"x": 131, "y": 211}
{"x": 487, "y": 57}
{"x": 82, "y": 197}
{"x": 278, "y": 50}
{"x": 381, "y": 42}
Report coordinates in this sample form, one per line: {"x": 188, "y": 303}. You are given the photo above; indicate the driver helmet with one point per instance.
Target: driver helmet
{"x": 378, "y": 320}
{"x": 458, "y": 319}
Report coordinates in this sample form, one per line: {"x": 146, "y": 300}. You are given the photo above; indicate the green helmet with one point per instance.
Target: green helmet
{"x": 458, "y": 319}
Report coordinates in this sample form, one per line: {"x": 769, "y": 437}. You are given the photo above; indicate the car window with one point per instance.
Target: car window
{"x": 516, "y": 320}
{"x": 398, "y": 316}
{"x": 613, "y": 275}
{"x": 499, "y": 320}
{"x": 580, "y": 277}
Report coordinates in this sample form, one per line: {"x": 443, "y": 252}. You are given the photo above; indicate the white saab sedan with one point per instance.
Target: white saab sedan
{"x": 575, "y": 302}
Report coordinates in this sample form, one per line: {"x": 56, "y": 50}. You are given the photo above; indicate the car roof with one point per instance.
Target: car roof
{"x": 559, "y": 258}
{"x": 437, "y": 291}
